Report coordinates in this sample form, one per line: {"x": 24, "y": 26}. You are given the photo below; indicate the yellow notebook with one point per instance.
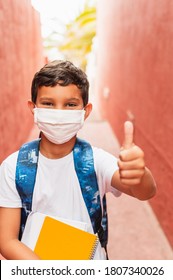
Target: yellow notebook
{"x": 60, "y": 241}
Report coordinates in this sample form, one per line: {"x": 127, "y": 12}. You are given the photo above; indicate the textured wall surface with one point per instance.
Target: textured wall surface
{"x": 21, "y": 55}
{"x": 135, "y": 70}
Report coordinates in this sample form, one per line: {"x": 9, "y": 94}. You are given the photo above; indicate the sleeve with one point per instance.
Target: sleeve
{"x": 9, "y": 196}
{"x": 105, "y": 166}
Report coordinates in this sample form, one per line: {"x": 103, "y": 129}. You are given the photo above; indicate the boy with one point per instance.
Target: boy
{"x": 60, "y": 106}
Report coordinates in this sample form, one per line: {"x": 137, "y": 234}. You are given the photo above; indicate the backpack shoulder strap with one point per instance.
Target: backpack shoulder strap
{"x": 84, "y": 166}
{"x": 26, "y": 170}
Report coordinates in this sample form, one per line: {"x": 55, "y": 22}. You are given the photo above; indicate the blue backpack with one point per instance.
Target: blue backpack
{"x": 26, "y": 170}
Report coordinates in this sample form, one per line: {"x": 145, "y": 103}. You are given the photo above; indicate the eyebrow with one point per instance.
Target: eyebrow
{"x": 45, "y": 98}
{"x": 67, "y": 99}
{"x": 73, "y": 99}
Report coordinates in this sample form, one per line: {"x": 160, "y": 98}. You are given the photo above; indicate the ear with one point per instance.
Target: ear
{"x": 31, "y": 106}
{"x": 88, "y": 109}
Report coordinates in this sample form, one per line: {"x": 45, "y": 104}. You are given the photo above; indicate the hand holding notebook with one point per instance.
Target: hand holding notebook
{"x": 58, "y": 240}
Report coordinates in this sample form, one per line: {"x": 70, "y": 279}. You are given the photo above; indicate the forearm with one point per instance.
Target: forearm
{"x": 16, "y": 250}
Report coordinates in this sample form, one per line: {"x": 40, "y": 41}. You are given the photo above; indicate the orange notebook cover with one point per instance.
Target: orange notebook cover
{"x": 60, "y": 241}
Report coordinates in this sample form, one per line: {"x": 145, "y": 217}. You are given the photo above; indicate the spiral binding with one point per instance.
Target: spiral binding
{"x": 94, "y": 249}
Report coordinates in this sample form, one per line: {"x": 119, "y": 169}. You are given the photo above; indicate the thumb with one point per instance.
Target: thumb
{"x": 128, "y": 134}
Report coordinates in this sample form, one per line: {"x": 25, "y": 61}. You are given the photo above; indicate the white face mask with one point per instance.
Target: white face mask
{"x": 59, "y": 126}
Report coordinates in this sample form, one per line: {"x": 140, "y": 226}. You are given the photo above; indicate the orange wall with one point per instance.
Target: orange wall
{"x": 135, "y": 62}
{"x": 21, "y": 55}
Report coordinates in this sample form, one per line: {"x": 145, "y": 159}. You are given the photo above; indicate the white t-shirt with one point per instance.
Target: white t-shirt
{"x": 57, "y": 191}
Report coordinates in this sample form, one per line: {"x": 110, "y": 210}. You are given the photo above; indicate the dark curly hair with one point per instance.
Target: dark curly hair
{"x": 63, "y": 73}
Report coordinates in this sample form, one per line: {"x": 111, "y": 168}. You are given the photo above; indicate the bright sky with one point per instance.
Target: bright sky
{"x": 54, "y": 15}
{"x": 63, "y": 10}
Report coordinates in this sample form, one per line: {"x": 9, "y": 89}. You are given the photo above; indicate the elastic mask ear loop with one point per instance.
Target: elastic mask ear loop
{"x": 35, "y": 107}
{"x": 84, "y": 112}
{"x": 85, "y": 117}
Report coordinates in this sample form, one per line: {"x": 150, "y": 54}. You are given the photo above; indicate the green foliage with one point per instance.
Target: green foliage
{"x": 78, "y": 37}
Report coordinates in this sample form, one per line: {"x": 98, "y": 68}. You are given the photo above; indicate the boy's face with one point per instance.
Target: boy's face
{"x": 60, "y": 97}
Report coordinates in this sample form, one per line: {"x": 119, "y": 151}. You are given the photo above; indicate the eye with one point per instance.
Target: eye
{"x": 47, "y": 104}
{"x": 70, "y": 104}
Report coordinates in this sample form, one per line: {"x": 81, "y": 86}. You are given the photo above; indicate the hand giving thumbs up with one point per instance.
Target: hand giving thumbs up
{"x": 131, "y": 159}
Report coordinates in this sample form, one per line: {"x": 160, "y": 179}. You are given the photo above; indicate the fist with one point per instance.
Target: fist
{"x": 131, "y": 159}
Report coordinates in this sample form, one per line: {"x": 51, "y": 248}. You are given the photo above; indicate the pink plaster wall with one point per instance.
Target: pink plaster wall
{"x": 135, "y": 62}
{"x": 21, "y": 55}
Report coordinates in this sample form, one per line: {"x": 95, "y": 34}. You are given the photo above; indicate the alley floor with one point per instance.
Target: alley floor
{"x": 134, "y": 232}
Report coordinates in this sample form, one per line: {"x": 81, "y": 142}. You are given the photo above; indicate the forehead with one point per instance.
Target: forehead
{"x": 60, "y": 92}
